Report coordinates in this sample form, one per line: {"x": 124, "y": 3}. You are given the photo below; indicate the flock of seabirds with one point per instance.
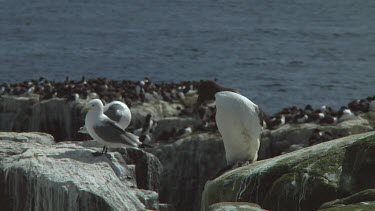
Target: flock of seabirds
{"x": 239, "y": 121}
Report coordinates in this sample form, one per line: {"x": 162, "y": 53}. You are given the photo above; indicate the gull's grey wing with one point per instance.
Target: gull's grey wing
{"x": 111, "y": 132}
{"x": 112, "y": 113}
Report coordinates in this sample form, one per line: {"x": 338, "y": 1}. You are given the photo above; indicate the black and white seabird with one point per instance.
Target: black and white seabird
{"x": 148, "y": 127}
{"x": 237, "y": 119}
{"x": 276, "y": 121}
{"x": 328, "y": 119}
{"x": 73, "y": 97}
{"x": 183, "y": 132}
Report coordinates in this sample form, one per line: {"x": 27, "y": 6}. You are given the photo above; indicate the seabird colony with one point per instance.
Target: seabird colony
{"x": 146, "y": 90}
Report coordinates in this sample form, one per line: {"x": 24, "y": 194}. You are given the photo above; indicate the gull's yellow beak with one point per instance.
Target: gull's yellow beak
{"x": 84, "y": 110}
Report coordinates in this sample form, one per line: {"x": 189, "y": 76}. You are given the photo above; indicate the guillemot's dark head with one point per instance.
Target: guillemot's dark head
{"x": 208, "y": 89}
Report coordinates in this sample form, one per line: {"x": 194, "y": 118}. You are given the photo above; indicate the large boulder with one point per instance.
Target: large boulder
{"x": 188, "y": 163}
{"x": 301, "y": 180}
{"x": 67, "y": 177}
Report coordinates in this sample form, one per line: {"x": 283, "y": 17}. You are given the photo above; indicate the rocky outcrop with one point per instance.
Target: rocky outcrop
{"x": 56, "y": 116}
{"x": 148, "y": 168}
{"x": 291, "y": 137}
{"x": 35, "y": 137}
{"x": 167, "y": 125}
{"x": 188, "y": 163}
{"x": 158, "y": 109}
{"x": 301, "y": 180}
{"x": 62, "y": 118}
{"x": 66, "y": 176}
{"x": 15, "y": 112}
{"x": 364, "y": 200}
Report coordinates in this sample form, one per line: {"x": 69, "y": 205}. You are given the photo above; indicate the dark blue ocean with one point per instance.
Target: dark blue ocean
{"x": 277, "y": 53}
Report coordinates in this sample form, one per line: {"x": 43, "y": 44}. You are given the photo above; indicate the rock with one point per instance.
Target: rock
{"x": 149, "y": 198}
{"x": 58, "y": 117}
{"x": 15, "y": 113}
{"x": 166, "y": 207}
{"x": 32, "y": 137}
{"x": 177, "y": 123}
{"x": 363, "y": 196}
{"x": 235, "y": 206}
{"x": 290, "y": 137}
{"x": 190, "y": 100}
{"x": 356, "y": 207}
{"x": 291, "y": 134}
{"x": 353, "y": 126}
{"x": 369, "y": 116}
{"x": 158, "y": 109}
{"x": 188, "y": 163}
{"x": 67, "y": 177}
{"x": 300, "y": 180}
{"x": 148, "y": 168}
{"x": 55, "y": 116}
